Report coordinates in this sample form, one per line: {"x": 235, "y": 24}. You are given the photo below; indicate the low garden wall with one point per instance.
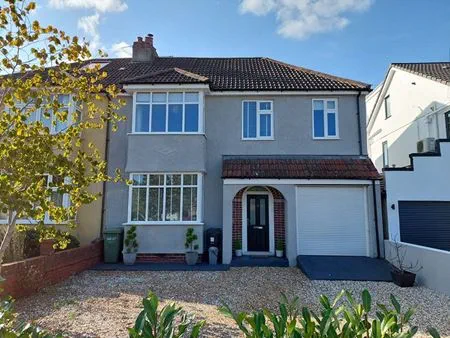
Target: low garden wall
{"x": 435, "y": 272}
{"x": 26, "y": 277}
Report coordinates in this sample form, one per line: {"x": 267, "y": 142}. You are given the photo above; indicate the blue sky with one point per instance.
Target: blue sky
{"x": 351, "y": 38}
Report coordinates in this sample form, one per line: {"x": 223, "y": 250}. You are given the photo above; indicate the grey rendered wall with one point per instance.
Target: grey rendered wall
{"x": 292, "y": 132}
{"x": 435, "y": 273}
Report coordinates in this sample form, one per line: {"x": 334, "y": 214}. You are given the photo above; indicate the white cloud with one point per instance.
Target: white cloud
{"x": 121, "y": 50}
{"x": 89, "y": 25}
{"x": 102, "y": 6}
{"x": 302, "y": 18}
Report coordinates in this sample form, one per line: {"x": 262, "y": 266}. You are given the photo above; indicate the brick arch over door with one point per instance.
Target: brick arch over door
{"x": 279, "y": 216}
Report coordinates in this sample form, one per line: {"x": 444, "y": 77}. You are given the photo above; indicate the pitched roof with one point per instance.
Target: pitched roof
{"x": 226, "y": 74}
{"x": 438, "y": 71}
{"x": 299, "y": 167}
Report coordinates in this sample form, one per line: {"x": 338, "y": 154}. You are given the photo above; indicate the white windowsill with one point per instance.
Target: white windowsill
{"x": 326, "y": 138}
{"x": 258, "y": 139}
{"x": 171, "y": 133}
{"x": 165, "y": 223}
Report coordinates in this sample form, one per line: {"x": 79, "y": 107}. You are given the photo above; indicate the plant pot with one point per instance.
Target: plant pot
{"x": 129, "y": 258}
{"x": 404, "y": 279}
{"x": 191, "y": 257}
{"x": 238, "y": 252}
{"x": 279, "y": 253}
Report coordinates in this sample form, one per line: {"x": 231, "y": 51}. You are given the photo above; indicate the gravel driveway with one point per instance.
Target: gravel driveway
{"x": 104, "y": 304}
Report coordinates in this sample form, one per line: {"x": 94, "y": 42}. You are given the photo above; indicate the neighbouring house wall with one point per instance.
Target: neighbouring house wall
{"x": 24, "y": 278}
{"x": 223, "y": 128}
{"x": 435, "y": 272}
{"x": 429, "y": 181}
{"x": 411, "y": 106}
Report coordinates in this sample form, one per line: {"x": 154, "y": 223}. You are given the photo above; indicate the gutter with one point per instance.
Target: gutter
{"x": 358, "y": 113}
{"x": 375, "y": 208}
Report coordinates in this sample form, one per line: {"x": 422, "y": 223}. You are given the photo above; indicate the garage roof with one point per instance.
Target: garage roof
{"x": 299, "y": 167}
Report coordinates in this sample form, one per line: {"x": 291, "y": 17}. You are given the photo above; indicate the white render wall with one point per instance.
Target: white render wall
{"x": 429, "y": 181}
{"x": 411, "y": 106}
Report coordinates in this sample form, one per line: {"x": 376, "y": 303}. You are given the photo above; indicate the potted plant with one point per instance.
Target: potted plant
{"x": 191, "y": 253}
{"x": 131, "y": 246}
{"x": 279, "y": 248}
{"x": 403, "y": 275}
{"x": 238, "y": 248}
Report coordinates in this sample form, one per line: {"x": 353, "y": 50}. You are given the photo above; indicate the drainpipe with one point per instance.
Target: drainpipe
{"x": 102, "y": 217}
{"x": 358, "y": 113}
{"x": 375, "y": 208}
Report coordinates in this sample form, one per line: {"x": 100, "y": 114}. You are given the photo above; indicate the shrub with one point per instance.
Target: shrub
{"x": 191, "y": 237}
{"x": 237, "y": 245}
{"x": 336, "y": 319}
{"x": 131, "y": 243}
{"x": 11, "y": 328}
{"x": 169, "y": 322}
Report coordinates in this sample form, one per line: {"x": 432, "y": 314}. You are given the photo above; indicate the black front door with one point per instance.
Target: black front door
{"x": 257, "y": 223}
{"x": 447, "y": 123}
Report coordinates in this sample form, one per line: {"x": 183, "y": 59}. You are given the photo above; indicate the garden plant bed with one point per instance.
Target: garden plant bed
{"x": 105, "y": 303}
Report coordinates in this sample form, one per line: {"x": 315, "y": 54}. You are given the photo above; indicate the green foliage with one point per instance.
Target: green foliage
{"x": 237, "y": 245}
{"x": 279, "y": 245}
{"x": 169, "y": 322}
{"x": 11, "y": 328}
{"x": 131, "y": 243}
{"x": 191, "y": 237}
{"x": 38, "y": 64}
{"x": 343, "y": 317}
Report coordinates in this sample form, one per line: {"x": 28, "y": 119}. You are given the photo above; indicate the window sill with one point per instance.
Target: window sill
{"x": 165, "y": 223}
{"x": 326, "y": 138}
{"x": 258, "y": 139}
{"x": 174, "y": 133}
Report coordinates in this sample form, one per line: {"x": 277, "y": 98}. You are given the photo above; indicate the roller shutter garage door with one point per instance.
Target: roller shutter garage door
{"x": 331, "y": 220}
{"x": 425, "y": 223}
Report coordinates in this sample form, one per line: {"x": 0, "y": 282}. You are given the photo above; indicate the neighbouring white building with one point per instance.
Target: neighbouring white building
{"x": 407, "y": 112}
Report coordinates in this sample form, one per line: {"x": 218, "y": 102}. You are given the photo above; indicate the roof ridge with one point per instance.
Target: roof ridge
{"x": 419, "y": 63}
{"x": 315, "y": 72}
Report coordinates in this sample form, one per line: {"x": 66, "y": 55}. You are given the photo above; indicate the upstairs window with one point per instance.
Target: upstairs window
{"x": 167, "y": 112}
{"x": 385, "y": 154}
{"x": 387, "y": 106}
{"x": 325, "y": 119}
{"x": 257, "y": 120}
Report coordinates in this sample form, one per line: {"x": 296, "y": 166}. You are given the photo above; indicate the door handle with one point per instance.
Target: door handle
{"x": 260, "y": 228}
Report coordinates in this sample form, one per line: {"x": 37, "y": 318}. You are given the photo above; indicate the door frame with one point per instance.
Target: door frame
{"x": 271, "y": 223}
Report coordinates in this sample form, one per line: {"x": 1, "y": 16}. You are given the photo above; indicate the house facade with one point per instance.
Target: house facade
{"x": 407, "y": 112}
{"x": 273, "y": 154}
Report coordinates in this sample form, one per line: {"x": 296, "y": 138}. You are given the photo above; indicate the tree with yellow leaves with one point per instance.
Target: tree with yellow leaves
{"x": 49, "y": 97}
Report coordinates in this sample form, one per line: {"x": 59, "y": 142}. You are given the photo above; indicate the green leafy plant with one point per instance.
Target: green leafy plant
{"x": 237, "y": 245}
{"x": 131, "y": 243}
{"x": 169, "y": 322}
{"x": 191, "y": 237}
{"x": 11, "y": 328}
{"x": 342, "y": 317}
{"x": 279, "y": 245}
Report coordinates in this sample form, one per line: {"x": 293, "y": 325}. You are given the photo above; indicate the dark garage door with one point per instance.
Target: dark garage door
{"x": 425, "y": 223}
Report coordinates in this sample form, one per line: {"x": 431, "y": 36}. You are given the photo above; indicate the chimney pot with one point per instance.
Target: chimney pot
{"x": 143, "y": 49}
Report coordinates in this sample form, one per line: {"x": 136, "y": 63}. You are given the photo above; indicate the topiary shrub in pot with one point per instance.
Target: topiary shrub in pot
{"x": 238, "y": 248}
{"x": 279, "y": 248}
{"x": 131, "y": 246}
{"x": 191, "y": 252}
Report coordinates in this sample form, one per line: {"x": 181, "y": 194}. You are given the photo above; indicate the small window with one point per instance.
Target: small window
{"x": 387, "y": 106}
{"x": 325, "y": 119}
{"x": 257, "y": 120}
{"x": 385, "y": 154}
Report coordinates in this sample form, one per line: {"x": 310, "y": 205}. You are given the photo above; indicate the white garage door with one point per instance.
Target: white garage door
{"x": 331, "y": 220}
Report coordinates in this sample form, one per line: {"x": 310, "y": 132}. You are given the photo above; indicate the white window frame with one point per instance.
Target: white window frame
{"x": 325, "y": 118}
{"x": 47, "y": 219}
{"x": 259, "y": 112}
{"x": 387, "y": 107}
{"x": 150, "y": 103}
{"x": 385, "y": 153}
{"x": 199, "y": 187}
{"x": 71, "y": 109}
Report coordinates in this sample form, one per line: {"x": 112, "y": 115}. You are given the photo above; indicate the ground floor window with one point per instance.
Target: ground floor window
{"x": 165, "y": 197}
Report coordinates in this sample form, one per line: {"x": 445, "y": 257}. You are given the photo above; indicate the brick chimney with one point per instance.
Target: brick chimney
{"x": 143, "y": 50}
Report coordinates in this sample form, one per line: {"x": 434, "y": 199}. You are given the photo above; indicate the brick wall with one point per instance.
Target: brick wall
{"x": 26, "y": 277}
{"x": 279, "y": 216}
{"x": 163, "y": 258}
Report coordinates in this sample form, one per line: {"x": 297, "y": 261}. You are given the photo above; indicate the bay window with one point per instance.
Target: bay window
{"x": 325, "y": 119}
{"x": 167, "y": 112}
{"x": 164, "y": 198}
{"x": 257, "y": 120}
